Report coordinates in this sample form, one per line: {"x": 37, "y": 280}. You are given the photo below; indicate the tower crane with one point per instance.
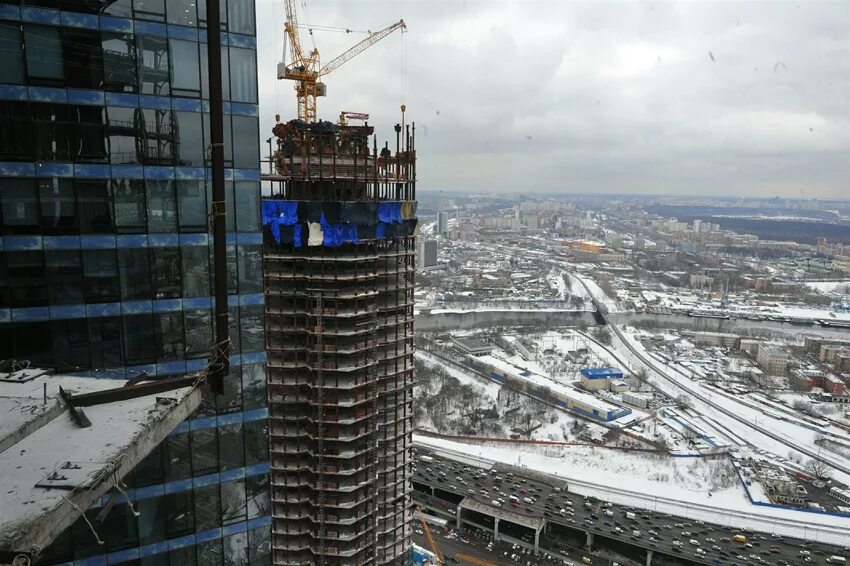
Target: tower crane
{"x": 305, "y": 68}
{"x": 434, "y": 548}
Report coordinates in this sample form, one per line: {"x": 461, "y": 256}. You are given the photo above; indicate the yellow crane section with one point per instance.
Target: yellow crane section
{"x": 304, "y": 68}
{"x": 434, "y": 548}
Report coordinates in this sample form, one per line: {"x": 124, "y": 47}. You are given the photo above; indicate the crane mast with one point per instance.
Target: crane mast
{"x": 304, "y": 68}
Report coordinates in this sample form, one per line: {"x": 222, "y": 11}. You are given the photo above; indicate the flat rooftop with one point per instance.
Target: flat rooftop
{"x": 59, "y": 453}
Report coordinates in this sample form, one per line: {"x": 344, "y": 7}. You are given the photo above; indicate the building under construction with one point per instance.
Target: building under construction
{"x": 339, "y": 230}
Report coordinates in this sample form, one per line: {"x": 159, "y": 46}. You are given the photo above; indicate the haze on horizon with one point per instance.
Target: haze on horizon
{"x": 716, "y": 98}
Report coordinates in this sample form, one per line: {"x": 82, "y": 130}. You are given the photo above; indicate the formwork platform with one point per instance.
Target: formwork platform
{"x": 339, "y": 231}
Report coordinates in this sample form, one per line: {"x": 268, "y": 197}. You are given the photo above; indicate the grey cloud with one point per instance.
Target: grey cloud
{"x": 555, "y": 96}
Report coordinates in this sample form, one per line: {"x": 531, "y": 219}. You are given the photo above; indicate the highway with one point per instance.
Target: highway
{"x": 686, "y": 540}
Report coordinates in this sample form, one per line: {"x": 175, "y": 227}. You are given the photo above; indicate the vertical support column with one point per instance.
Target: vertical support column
{"x": 536, "y": 540}
{"x": 589, "y": 539}
{"x": 648, "y": 557}
{"x": 458, "y": 520}
{"x": 495, "y": 529}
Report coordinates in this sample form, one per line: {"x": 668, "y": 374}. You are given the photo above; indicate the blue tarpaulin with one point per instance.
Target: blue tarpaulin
{"x": 389, "y": 212}
{"x": 296, "y": 235}
{"x": 338, "y": 234}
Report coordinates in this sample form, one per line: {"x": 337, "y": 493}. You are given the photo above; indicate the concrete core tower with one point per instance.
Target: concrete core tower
{"x": 339, "y": 250}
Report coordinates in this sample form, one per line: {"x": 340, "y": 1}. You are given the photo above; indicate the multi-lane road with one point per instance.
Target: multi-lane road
{"x": 529, "y": 495}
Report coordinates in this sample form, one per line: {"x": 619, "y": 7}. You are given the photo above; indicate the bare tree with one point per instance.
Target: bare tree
{"x": 684, "y": 402}
{"x": 817, "y": 468}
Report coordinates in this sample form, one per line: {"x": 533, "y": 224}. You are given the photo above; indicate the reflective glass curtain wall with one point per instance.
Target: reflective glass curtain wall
{"x": 106, "y": 252}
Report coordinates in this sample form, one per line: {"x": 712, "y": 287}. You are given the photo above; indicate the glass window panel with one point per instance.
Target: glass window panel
{"x": 231, "y": 451}
{"x": 4, "y": 291}
{"x": 231, "y": 400}
{"x": 192, "y": 205}
{"x": 233, "y": 501}
{"x": 152, "y": 513}
{"x": 12, "y": 49}
{"x": 149, "y": 10}
{"x": 44, "y": 54}
{"x": 160, "y": 559}
{"x": 180, "y": 513}
{"x": 198, "y": 332}
{"x": 120, "y": 9}
{"x": 251, "y": 323}
{"x": 58, "y": 206}
{"x": 159, "y": 142}
{"x": 27, "y": 281}
{"x": 153, "y": 64}
{"x": 204, "y": 451}
{"x": 65, "y": 277}
{"x": 253, "y": 386}
{"x": 165, "y": 272}
{"x": 196, "y": 271}
{"x": 210, "y": 553}
{"x": 250, "y": 269}
{"x": 247, "y": 206}
{"x": 185, "y": 68}
{"x": 83, "y": 55}
{"x": 241, "y": 16}
{"x": 130, "y": 205}
{"x": 183, "y": 556}
{"x": 70, "y": 344}
{"x": 105, "y": 342}
{"x": 149, "y": 471}
{"x": 85, "y": 544}
{"x": 243, "y": 75}
{"x": 119, "y": 62}
{"x": 169, "y": 336}
{"x": 260, "y": 546}
{"x": 139, "y": 342}
{"x": 162, "y": 207}
{"x": 235, "y": 549}
{"x": 94, "y": 206}
{"x": 246, "y": 139}
{"x": 177, "y": 457}
{"x": 190, "y": 132}
{"x": 259, "y": 500}
{"x": 19, "y": 198}
{"x": 125, "y": 135}
{"x": 225, "y": 73}
{"x": 135, "y": 273}
{"x": 119, "y": 527}
{"x": 16, "y": 132}
{"x": 30, "y": 343}
{"x": 202, "y": 14}
{"x": 100, "y": 276}
{"x": 88, "y": 141}
{"x": 207, "y": 406}
{"x": 52, "y": 131}
{"x": 183, "y": 12}
{"x": 256, "y": 442}
{"x": 233, "y": 319}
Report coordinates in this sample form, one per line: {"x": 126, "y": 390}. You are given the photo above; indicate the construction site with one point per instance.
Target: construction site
{"x": 339, "y": 226}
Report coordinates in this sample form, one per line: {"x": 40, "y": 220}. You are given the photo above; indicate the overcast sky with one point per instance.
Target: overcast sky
{"x": 711, "y": 98}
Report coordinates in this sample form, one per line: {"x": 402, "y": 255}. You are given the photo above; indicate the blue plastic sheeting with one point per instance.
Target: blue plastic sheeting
{"x": 381, "y": 230}
{"x": 389, "y": 212}
{"x": 284, "y": 212}
{"x": 338, "y": 234}
{"x": 296, "y": 235}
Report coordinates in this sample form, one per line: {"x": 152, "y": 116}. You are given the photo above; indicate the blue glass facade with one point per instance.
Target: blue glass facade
{"x": 106, "y": 253}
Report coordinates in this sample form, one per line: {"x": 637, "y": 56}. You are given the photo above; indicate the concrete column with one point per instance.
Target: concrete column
{"x": 648, "y": 558}
{"x": 589, "y": 539}
{"x": 458, "y": 522}
{"x": 495, "y": 529}
{"x": 536, "y": 540}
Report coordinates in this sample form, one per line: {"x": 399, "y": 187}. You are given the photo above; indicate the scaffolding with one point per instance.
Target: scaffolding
{"x": 339, "y": 342}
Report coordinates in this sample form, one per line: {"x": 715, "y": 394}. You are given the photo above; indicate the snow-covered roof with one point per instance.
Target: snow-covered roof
{"x": 52, "y": 466}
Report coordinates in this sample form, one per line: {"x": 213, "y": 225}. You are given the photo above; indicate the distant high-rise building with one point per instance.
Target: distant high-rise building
{"x": 339, "y": 262}
{"x": 427, "y": 253}
{"x": 442, "y": 223}
{"x": 107, "y": 253}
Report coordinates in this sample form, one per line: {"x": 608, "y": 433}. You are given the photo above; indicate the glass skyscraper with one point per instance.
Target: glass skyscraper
{"x": 106, "y": 253}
